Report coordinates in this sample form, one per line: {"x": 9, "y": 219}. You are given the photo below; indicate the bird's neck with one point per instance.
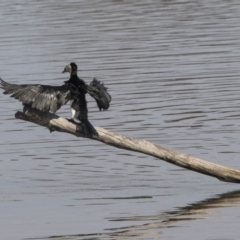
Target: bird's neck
{"x": 73, "y": 74}
{"x": 75, "y": 79}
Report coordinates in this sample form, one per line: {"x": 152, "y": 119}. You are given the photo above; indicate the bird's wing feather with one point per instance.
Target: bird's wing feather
{"x": 43, "y": 97}
{"x": 99, "y": 92}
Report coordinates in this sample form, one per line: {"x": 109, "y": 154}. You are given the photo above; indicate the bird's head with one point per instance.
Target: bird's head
{"x": 71, "y": 68}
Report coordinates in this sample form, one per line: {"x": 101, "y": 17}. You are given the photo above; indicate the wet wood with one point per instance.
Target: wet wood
{"x": 55, "y": 123}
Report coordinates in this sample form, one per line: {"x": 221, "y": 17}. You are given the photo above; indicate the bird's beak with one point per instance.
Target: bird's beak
{"x": 68, "y": 68}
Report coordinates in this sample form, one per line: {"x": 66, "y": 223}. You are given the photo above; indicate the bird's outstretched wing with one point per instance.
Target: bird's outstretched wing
{"x": 99, "y": 92}
{"x": 43, "y": 97}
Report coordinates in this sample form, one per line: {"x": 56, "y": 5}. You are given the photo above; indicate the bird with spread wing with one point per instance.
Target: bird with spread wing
{"x": 50, "y": 98}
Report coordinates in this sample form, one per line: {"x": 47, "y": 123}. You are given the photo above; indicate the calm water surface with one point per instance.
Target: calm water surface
{"x": 173, "y": 69}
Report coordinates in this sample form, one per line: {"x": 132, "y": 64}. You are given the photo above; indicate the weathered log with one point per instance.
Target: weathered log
{"x": 55, "y": 123}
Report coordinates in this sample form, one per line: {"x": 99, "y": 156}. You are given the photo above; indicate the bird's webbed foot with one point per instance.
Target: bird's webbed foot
{"x": 80, "y": 127}
{"x": 71, "y": 120}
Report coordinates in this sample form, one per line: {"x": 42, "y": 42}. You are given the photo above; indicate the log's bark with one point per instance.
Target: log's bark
{"x": 55, "y": 123}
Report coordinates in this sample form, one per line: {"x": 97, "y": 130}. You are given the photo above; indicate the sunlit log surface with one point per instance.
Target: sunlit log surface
{"x": 55, "y": 123}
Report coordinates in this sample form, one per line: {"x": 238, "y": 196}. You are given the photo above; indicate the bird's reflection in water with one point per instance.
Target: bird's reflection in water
{"x": 168, "y": 219}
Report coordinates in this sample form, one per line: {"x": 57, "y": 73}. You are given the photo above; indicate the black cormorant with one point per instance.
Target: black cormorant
{"x": 50, "y": 98}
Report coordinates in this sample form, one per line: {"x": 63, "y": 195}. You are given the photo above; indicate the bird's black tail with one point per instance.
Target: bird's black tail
{"x": 88, "y": 128}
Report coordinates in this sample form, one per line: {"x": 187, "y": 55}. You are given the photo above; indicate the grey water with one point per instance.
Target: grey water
{"x": 173, "y": 70}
